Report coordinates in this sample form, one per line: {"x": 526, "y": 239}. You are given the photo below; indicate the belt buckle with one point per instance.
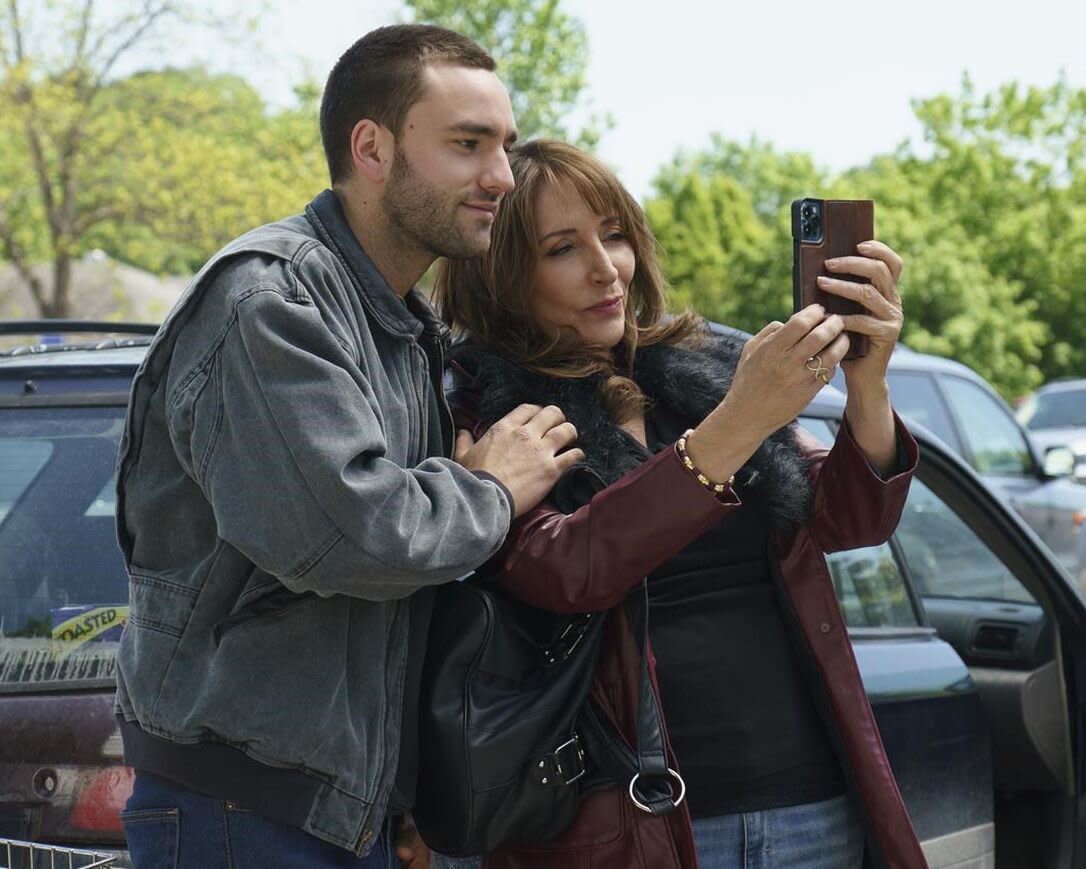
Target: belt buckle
{"x": 570, "y": 769}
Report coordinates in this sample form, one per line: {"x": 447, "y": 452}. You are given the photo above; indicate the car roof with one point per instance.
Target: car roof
{"x": 79, "y": 357}
{"x": 1071, "y": 384}
{"x": 50, "y": 345}
{"x": 906, "y": 359}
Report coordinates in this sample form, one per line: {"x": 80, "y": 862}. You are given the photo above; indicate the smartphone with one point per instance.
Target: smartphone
{"x": 823, "y": 229}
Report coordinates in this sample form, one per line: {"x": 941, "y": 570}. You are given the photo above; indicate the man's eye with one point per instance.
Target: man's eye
{"x": 467, "y": 144}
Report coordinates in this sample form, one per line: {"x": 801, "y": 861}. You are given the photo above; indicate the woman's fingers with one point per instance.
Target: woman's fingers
{"x": 873, "y": 327}
{"x": 874, "y": 271}
{"x": 870, "y": 298}
{"x": 790, "y": 333}
{"x": 874, "y": 260}
{"x": 820, "y": 338}
{"x": 878, "y": 250}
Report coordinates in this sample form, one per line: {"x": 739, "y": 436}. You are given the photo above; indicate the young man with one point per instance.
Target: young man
{"x": 285, "y": 501}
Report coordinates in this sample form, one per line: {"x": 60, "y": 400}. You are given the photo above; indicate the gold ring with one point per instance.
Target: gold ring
{"x": 817, "y": 360}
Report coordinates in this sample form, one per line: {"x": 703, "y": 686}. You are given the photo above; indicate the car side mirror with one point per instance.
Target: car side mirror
{"x": 1059, "y": 462}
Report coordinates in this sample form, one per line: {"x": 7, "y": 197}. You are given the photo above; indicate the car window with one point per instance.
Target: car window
{"x": 997, "y": 444}
{"x": 1065, "y": 408}
{"x": 63, "y": 591}
{"x": 20, "y": 462}
{"x": 945, "y": 558}
{"x": 915, "y": 397}
{"x": 871, "y": 588}
{"x": 869, "y": 584}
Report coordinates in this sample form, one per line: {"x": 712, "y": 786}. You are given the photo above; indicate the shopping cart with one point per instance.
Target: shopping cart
{"x": 34, "y": 855}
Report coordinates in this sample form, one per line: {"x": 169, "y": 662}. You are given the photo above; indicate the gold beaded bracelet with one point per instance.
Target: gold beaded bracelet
{"x": 688, "y": 463}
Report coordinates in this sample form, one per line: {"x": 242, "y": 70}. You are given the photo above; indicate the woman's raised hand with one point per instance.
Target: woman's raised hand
{"x": 880, "y": 269}
{"x": 868, "y": 407}
{"x": 780, "y": 370}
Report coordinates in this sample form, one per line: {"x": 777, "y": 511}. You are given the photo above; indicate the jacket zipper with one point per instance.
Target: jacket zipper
{"x": 440, "y": 339}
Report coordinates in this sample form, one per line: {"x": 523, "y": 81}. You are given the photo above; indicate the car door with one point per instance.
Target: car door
{"x": 927, "y": 706}
{"x": 1016, "y": 623}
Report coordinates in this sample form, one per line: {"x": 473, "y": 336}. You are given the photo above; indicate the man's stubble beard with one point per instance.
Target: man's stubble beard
{"x": 426, "y": 217}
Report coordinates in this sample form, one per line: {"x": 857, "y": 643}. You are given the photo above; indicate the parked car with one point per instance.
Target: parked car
{"x": 63, "y": 593}
{"x": 970, "y": 638}
{"x": 1055, "y": 415}
{"x": 961, "y": 408}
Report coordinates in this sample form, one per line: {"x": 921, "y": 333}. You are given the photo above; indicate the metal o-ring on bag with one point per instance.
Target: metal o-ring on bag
{"x": 645, "y": 808}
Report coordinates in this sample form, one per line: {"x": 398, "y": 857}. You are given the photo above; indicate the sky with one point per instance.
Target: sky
{"x": 833, "y": 78}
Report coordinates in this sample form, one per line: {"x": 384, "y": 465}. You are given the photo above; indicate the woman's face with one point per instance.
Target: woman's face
{"x": 584, "y": 268}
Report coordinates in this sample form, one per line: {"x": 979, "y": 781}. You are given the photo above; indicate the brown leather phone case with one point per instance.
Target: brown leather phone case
{"x": 823, "y": 229}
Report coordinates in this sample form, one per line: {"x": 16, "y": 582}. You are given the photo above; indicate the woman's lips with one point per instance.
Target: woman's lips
{"x": 611, "y": 306}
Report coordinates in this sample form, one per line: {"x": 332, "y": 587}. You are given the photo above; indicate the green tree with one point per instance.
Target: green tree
{"x": 988, "y": 211}
{"x": 1008, "y": 167}
{"x": 157, "y": 168}
{"x": 722, "y": 218}
{"x": 958, "y": 302}
{"x": 542, "y": 55}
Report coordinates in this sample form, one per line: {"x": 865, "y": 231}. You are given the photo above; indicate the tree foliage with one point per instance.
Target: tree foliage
{"x": 156, "y": 168}
{"x": 542, "y": 56}
{"x": 988, "y": 211}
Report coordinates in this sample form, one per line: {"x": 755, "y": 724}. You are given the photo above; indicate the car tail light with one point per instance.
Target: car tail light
{"x": 1079, "y": 517}
{"x": 99, "y": 804}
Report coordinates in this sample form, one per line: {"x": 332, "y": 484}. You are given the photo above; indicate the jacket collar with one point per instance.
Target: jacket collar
{"x": 408, "y": 317}
{"x": 689, "y": 383}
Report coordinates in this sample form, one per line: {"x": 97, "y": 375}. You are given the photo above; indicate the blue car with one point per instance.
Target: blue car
{"x": 970, "y": 637}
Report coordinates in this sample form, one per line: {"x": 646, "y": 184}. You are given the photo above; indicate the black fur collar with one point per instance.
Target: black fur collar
{"x": 688, "y": 383}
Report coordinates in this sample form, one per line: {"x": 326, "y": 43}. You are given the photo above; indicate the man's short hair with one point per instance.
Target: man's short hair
{"x": 380, "y": 78}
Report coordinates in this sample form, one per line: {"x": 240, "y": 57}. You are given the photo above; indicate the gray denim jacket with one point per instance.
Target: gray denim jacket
{"x": 281, "y": 497}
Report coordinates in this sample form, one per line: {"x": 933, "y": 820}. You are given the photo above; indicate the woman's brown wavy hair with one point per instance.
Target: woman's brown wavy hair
{"x": 489, "y": 297}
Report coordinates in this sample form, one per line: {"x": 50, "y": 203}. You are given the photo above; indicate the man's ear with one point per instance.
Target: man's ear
{"x": 372, "y": 149}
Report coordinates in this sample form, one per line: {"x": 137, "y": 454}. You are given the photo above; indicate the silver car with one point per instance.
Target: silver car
{"x": 957, "y": 404}
{"x": 1055, "y": 415}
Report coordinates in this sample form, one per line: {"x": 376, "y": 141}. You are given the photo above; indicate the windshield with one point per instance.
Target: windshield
{"x": 1065, "y": 408}
{"x": 63, "y": 591}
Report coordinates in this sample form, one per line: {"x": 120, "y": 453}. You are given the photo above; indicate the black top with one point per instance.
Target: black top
{"x": 739, "y": 710}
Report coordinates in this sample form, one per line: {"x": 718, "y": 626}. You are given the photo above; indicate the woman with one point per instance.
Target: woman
{"x": 708, "y": 488}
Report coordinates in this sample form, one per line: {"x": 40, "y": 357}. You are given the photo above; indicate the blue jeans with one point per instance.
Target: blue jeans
{"x": 824, "y": 835}
{"x": 169, "y": 827}
{"x": 440, "y": 861}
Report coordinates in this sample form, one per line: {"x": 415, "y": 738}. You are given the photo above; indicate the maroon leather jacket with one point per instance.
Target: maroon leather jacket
{"x": 591, "y": 558}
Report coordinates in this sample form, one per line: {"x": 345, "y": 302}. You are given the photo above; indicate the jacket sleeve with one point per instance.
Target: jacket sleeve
{"x": 284, "y": 434}
{"x": 589, "y": 559}
{"x": 851, "y": 504}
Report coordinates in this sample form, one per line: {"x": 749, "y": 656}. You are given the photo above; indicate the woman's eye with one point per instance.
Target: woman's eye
{"x": 615, "y": 235}
{"x": 561, "y": 249}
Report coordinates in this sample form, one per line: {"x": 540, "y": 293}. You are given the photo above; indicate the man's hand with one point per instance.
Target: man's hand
{"x": 411, "y": 851}
{"x": 527, "y": 450}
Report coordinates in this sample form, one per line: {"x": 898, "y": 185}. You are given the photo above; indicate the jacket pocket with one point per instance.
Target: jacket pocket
{"x": 278, "y": 603}
{"x": 159, "y": 603}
